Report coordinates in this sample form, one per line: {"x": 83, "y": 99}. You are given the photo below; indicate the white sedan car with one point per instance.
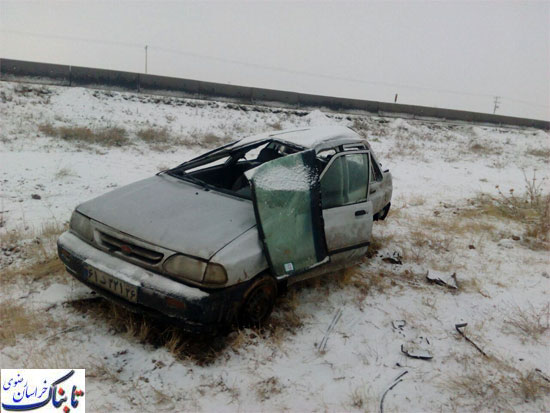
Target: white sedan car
{"x": 210, "y": 242}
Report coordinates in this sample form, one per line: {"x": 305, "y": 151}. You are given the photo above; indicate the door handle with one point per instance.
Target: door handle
{"x": 372, "y": 190}
{"x": 360, "y": 212}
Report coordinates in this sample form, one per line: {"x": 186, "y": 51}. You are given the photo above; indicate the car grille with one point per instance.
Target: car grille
{"x": 129, "y": 249}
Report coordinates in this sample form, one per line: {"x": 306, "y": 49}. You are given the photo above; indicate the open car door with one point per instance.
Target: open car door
{"x": 286, "y": 196}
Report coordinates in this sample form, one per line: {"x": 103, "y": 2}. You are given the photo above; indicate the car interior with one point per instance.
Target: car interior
{"x": 226, "y": 170}
{"x": 227, "y": 173}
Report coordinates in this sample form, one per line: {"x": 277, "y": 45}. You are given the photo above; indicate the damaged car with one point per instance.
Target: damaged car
{"x": 210, "y": 242}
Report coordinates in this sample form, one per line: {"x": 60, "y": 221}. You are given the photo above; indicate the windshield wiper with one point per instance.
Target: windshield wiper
{"x": 188, "y": 177}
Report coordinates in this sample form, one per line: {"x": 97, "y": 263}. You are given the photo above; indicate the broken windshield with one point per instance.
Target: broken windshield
{"x": 224, "y": 169}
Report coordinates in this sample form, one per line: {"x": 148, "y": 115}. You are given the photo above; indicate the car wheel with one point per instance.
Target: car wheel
{"x": 258, "y": 302}
{"x": 385, "y": 212}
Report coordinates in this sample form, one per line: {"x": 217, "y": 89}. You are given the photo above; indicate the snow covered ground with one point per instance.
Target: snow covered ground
{"x": 436, "y": 225}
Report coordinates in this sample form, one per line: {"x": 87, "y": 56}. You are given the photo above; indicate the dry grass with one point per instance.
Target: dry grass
{"x": 47, "y": 269}
{"x": 18, "y": 321}
{"x": 154, "y": 136}
{"x": 456, "y": 225}
{"x": 203, "y": 350}
{"x": 530, "y": 210}
{"x": 206, "y": 139}
{"x": 528, "y": 323}
{"x": 482, "y": 149}
{"x": 285, "y": 320}
{"x": 64, "y": 173}
{"x": 38, "y": 250}
{"x": 107, "y": 137}
{"x": 379, "y": 241}
{"x": 265, "y": 389}
{"x": 492, "y": 381}
{"x": 11, "y": 238}
{"x": 496, "y": 384}
{"x": 199, "y": 349}
{"x": 540, "y": 153}
{"x": 417, "y": 200}
{"x": 438, "y": 235}
{"x": 275, "y": 126}
{"x": 437, "y": 241}
{"x": 362, "y": 400}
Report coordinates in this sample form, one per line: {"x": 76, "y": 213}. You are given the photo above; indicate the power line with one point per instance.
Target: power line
{"x": 267, "y": 67}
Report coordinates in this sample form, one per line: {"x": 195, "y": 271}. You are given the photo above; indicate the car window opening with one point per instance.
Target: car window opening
{"x": 225, "y": 171}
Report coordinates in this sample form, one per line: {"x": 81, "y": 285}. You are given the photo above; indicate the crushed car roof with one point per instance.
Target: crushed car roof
{"x": 317, "y": 138}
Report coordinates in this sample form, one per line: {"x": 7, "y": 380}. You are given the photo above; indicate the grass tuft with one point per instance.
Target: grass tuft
{"x": 154, "y": 136}
{"x": 540, "y": 153}
{"x": 17, "y": 321}
{"x": 529, "y": 322}
{"x": 108, "y": 136}
{"x": 531, "y": 209}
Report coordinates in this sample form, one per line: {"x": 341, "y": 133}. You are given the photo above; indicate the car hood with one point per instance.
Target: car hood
{"x": 174, "y": 214}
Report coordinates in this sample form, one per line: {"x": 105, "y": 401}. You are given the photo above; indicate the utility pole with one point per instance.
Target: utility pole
{"x": 496, "y": 103}
{"x": 395, "y": 99}
{"x": 146, "y": 58}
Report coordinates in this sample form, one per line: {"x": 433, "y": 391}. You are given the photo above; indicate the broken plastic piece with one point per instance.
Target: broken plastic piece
{"x": 419, "y": 349}
{"x": 393, "y": 258}
{"x": 398, "y": 324}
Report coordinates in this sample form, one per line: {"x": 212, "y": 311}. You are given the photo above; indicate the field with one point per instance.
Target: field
{"x": 469, "y": 200}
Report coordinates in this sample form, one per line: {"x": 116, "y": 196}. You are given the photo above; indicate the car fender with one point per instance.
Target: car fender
{"x": 243, "y": 258}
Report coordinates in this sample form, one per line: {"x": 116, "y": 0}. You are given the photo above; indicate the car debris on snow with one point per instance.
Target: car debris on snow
{"x": 397, "y": 380}
{"x": 418, "y": 349}
{"x": 321, "y": 348}
{"x": 438, "y": 278}
{"x": 462, "y": 325}
{"x": 395, "y": 257}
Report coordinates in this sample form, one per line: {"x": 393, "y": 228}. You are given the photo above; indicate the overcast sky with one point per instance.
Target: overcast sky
{"x": 447, "y": 54}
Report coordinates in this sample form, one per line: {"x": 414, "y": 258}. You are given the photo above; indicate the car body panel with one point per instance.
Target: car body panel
{"x": 318, "y": 138}
{"x": 171, "y": 213}
{"x": 243, "y": 258}
{"x": 344, "y": 230}
{"x": 189, "y": 307}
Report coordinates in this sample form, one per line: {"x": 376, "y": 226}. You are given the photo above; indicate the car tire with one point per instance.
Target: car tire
{"x": 384, "y": 212}
{"x": 258, "y": 302}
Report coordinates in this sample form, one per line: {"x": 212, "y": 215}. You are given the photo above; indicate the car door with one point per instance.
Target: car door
{"x": 347, "y": 211}
{"x": 287, "y": 204}
{"x": 376, "y": 191}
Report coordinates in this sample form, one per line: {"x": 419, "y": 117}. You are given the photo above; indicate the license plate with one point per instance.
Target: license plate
{"x": 112, "y": 284}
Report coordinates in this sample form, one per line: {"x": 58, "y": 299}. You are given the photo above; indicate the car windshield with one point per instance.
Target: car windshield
{"x": 223, "y": 169}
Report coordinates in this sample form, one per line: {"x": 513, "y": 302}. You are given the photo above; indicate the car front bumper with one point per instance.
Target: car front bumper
{"x": 191, "y": 308}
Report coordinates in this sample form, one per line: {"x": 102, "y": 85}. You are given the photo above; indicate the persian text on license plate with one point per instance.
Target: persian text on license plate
{"x": 112, "y": 284}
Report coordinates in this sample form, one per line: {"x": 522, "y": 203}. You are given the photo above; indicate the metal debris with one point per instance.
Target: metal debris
{"x": 542, "y": 375}
{"x": 397, "y": 380}
{"x": 323, "y": 345}
{"x": 448, "y": 281}
{"x": 462, "y": 325}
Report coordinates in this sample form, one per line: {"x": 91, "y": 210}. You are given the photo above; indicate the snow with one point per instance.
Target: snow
{"x": 435, "y": 172}
{"x": 283, "y": 178}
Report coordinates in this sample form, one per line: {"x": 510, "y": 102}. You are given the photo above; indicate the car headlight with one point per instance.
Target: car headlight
{"x": 215, "y": 274}
{"x": 81, "y": 226}
{"x": 187, "y": 268}
{"x": 192, "y": 269}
